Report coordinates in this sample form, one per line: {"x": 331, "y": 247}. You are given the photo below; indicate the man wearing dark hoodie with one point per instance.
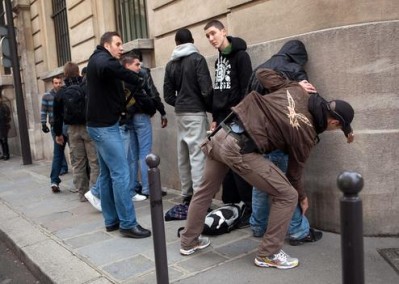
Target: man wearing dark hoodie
{"x": 233, "y": 69}
{"x": 289, "y": 61}
{"x": 288, "y": 119}
{"x": 187, "y": 87}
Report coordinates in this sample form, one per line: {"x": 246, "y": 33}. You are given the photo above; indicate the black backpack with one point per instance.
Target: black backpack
{"x": 224, "y": 219}
{"x": 74, "y": 101}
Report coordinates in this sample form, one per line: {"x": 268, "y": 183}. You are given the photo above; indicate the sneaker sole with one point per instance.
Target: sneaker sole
{"x": 193, "y": 250}
{"x": 264, "y": 264}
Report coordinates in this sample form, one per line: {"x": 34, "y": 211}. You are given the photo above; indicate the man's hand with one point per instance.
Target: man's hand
{"x": 45, "y": 129}
{"x": 304, "y": 205}
{"x": 307, "y": 86}
{"x": 164, "y": 121}
{"x": 59, "y": 140}
{"x": 350, "y": 137}
{"x": 213, "y": 126}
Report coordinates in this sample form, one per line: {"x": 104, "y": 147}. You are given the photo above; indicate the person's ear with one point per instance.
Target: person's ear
{"x": 336, "y": 123}
{"x": 333, "y": 122}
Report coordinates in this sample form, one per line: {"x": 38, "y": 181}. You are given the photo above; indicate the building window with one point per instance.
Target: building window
{"x": 132, "y": 19}
{"x": 7, "y": 70}
{"x": 61, "y": 31}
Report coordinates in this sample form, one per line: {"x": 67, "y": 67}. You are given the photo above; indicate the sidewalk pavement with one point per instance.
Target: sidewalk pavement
{"x": 63, "y": 240}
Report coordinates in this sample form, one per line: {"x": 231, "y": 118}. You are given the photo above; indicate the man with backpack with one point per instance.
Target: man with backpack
{"x": 70, "y": 109}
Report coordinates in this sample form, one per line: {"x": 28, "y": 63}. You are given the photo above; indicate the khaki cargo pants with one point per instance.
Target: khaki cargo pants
{"x": 223, "y": 152}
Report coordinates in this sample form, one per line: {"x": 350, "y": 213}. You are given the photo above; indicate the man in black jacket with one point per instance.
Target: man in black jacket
{"x": 187, "y": 87}
{"x": 105, "y": 106}
{"x": 232, "y": 71}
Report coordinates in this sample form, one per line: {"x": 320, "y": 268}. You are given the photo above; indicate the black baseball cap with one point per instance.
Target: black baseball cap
{"x": 344, "y": 112}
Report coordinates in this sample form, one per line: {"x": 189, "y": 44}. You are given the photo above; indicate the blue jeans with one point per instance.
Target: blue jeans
{"x": 137, "y": 136}
{"x": 113, "y": 180}
{"x": 95, "y": 189}
{"x": 299, "y": 225}
{"x": 59, "y": 162}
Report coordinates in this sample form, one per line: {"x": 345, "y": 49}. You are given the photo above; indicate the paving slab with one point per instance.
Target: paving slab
{"x": 63, "y": 240}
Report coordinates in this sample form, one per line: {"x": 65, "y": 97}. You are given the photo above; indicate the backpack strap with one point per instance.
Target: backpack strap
{"x": 179, "y": 230}
{"x": 129, "y": 98}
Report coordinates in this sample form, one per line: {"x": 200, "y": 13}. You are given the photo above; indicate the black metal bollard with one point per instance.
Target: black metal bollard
{"x": 351, "y": 183}
{"x": 158, "y": 227}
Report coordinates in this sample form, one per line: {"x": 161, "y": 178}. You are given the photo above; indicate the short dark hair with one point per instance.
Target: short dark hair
{"x": 71, "y": 69}
{"x": 138, "y": 52}
{"x": 183, "y": 36}
{"x": 129, "y": 58}
{"x": 58, "y": 77}
{"x": 107, "y": 37}
{"x": 84, "y": 71}
{"x": 214, "y": 23}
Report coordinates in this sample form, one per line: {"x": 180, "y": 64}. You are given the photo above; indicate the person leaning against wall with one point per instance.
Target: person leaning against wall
{"x": 289, "y": 61}
{"x": 233, "y": 69}
{"x": 187, "y": 87}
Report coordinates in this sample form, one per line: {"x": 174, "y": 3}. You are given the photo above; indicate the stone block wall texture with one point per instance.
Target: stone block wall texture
{"x": 357, "y": 63}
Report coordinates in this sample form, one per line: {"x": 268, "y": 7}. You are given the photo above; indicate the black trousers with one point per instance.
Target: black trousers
{"x": 236, "y": 189}
{"x": 4, "y": 146}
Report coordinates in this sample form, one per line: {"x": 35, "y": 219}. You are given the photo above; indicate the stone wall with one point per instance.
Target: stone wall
{"x": 357, "y": 63}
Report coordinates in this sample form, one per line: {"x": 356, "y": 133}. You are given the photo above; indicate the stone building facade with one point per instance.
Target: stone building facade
{"x": 353, "y": 55}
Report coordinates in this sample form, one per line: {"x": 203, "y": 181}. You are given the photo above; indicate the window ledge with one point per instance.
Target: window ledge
{"x": 59, "y": 71}
{"x": 141, "y": 43}
{"x": 6, "y": 80}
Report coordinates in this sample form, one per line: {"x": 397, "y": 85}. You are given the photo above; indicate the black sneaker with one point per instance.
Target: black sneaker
{"x": 313, "y": 236}
{"x": 138, "y": 188}
{"x": 187, "y": 200}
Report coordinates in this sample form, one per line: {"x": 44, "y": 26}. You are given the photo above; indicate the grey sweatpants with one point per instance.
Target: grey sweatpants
{"x": 222, "y": 153}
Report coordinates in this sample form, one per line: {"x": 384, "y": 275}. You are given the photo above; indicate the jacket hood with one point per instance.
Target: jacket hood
{"x": 183, "y": 50}
{"x": 317, "y": 106}
{"x": 237, "y": 44}
{"x": 294, "y": 49}
{"x": 272, "y": 79}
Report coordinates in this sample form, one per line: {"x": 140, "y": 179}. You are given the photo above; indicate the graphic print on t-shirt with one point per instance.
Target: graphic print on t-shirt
{"x": 222, "y": 77}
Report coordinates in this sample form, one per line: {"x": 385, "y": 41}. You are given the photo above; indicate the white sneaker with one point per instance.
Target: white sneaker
{"x": 139, "y": 197}
{"x": 279, "y": 260}
{"x": 203, "y": 242}
{"x": 96, "y": 202}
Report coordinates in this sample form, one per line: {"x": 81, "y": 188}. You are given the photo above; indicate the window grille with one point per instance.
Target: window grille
{"x": 131, "y": 19}
{"x": 7, "y": 70}
{"x": 61, "y": 31}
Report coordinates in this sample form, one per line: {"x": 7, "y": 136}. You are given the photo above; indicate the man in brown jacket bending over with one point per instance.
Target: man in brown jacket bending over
{"x": 288, "y": 119}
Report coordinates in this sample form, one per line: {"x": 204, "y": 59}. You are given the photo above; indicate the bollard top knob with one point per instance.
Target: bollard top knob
{"x": 152, "y": 160}
{"x": 350, "y": 183}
